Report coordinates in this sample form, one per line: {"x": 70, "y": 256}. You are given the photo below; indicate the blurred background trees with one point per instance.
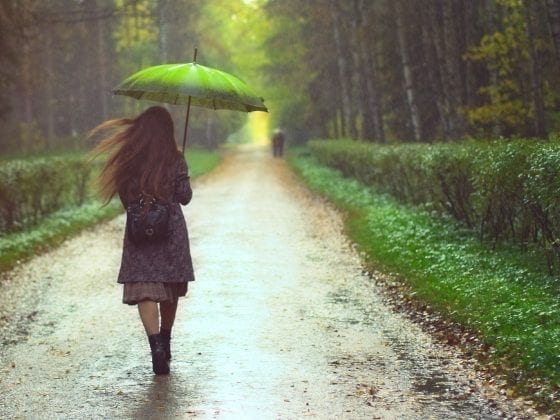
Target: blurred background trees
{"x": 59, "y": 60}
{"x": 379, "y": 70}
{"x": 411, "y": 70}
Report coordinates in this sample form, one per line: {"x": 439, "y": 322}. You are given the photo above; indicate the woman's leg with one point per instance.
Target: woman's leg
{"x": 168, "y": 311}
{"x": 149, "y": 315}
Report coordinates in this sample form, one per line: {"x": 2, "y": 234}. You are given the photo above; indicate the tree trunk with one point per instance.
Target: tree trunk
{"x": 472, "y": 38}
{"x": 553, "y": 7}
{"x": 438, "y": 36}
{"x": 535, "y": 72}
{"x": 407, "y": 72}
{"x": 373, "y": 96}
{"x": 356, "y": 41}
{"x": 433, "y": 69}
{"x": 164, "y": 23}
{"x": 343, "y": 74}
{"x": 48, "y": 84}
{"x": 490, "y": 28}
{"x": 372, "y": 126}
{"x": 452, "y": 54}
{"x": 25, "y": 80}
{"x": 101, "y": 55}
{"x": 27, "y": 90}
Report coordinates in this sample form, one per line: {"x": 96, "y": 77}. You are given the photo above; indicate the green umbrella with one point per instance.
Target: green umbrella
{"x": 191, "y": 83}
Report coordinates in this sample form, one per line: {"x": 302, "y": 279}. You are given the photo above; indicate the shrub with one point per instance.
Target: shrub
{"x": 542, "y": 198}
{"x": 33, "y": 188}
{"x": 499, "y": 191}
{"x": 506, "y": 190}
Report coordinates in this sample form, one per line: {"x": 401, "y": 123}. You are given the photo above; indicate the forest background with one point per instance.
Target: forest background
{"x": 382, "y": 71}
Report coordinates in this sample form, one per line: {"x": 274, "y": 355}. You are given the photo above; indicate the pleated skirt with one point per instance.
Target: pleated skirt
{"x": 155, "y": 291}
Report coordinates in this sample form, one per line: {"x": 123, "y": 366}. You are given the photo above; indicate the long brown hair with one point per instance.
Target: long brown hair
{"x": 142, "y": 149}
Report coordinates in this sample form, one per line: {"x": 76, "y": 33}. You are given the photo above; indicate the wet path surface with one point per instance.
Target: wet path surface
{"x": 280, "y": 323}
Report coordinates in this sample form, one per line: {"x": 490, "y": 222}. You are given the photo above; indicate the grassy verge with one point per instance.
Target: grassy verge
{"x": 16, "y": 247}
{"x": 513, "y": 307}
{"x": 202, "y": 161}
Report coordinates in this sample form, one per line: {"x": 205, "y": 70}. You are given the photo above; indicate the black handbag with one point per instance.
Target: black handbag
{"x": 148, "y": 220}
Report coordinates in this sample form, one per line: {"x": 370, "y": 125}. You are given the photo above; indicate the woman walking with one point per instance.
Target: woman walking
{"x": 144, "y": 164}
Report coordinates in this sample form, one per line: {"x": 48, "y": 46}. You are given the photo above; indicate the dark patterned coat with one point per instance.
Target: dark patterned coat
{"x": 168, "y": 261}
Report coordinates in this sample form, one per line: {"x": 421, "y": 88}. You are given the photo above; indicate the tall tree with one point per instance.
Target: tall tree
{"x": 164, "y": 19}
{"x": 406, "y": 65}
{"x": 10, "y": 31}
{"x": 431, "y": 43}
{"x": 535, "y": 69}
{"x": 344, "y": 74}
{"x": 553, "y": 7}
{"x": 453, "y": 67}
{"x": 366, "y": 72}
{"x": 103, "y": 52}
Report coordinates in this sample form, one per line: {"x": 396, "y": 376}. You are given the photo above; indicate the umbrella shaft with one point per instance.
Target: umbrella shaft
{"x": 186, "y": 124}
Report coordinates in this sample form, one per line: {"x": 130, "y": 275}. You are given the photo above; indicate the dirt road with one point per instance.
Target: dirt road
{"x": 280, "y": 323}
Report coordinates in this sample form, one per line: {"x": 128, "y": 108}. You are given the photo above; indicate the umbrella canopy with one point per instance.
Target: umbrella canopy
{"x": 191, "y": 83}
{"x": 176, "y": 83}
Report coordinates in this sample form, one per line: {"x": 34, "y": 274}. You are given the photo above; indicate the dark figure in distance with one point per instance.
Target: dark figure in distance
{"x": 143, "y": 160}
{"x": 277, "y": 143}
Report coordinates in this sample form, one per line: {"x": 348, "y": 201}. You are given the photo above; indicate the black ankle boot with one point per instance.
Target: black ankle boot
{"x": 166, "y": 339}
{"x": 159, "y": 361}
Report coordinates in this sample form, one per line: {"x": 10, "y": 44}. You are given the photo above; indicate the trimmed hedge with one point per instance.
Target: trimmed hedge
{"x": 505, "y": 190}
{"x": 48, "y": 199}
{"x": 31, "y": 189}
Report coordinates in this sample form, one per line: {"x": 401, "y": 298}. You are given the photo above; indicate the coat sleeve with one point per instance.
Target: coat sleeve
{"x": 183, "y": 191}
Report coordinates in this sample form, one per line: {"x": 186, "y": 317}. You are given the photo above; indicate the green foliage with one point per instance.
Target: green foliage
{"x": 30, "y": 189}
{"x": 542, "y": 186}
{"x": 136, "y": 36}
{"x": 502, "y": 107}
{"x": 505, "y": 53}
{"x": 242, "y": 27}
{"x": 506, "y": 190}
{"x": 201, "y": 161}
{"x": 501, "y": 294}
{"x": 289, "y": 69}
{"x": 468, "y": 60}
{"x": 437, "y": 176}
{"x": 499, "y": 197}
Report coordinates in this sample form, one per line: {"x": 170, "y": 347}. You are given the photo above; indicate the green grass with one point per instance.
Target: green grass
{"x": 202, "y": 161}
{"x": 16, "y": 247}
{"x": 512, "y": 304}
{"x": 54, "y": 229}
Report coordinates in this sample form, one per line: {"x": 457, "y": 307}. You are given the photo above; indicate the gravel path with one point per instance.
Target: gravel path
{"x": 280, "y": 323}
